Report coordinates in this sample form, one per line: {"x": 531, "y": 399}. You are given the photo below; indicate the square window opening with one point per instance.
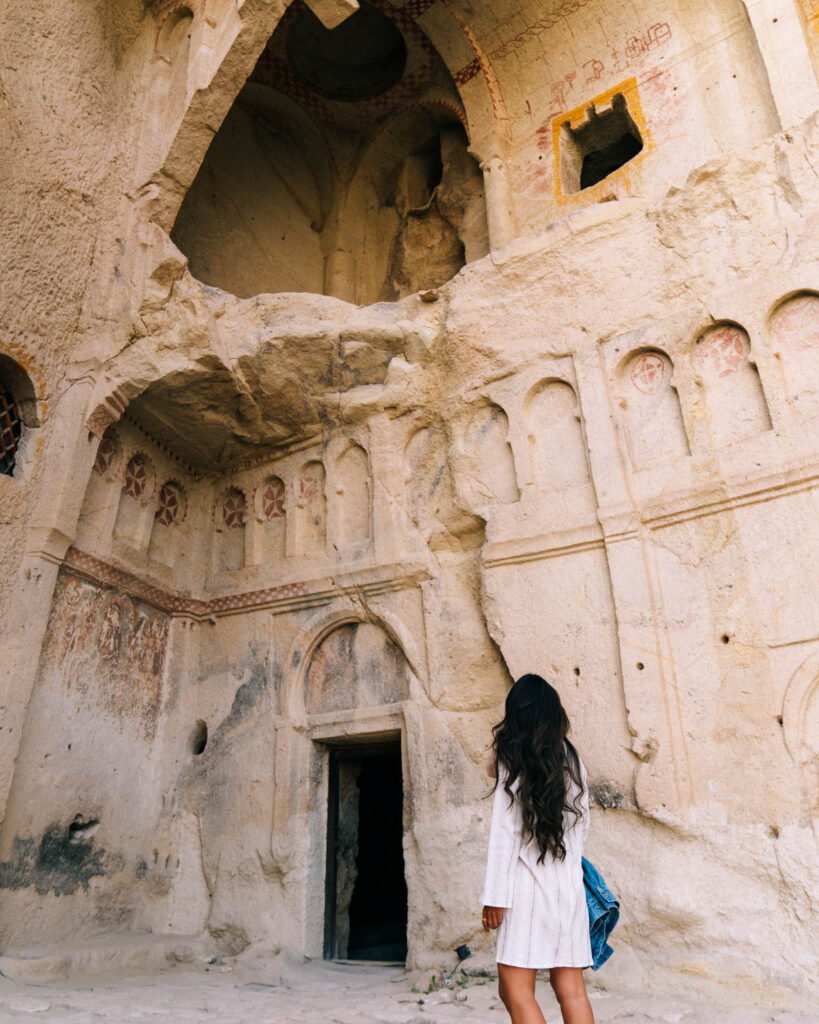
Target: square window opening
{"x": 593, "y": 150}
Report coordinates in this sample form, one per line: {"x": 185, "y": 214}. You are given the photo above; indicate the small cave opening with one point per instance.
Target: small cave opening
{"x": 599, "y": 146}
{"x": 366, "y": 892}
{"x": 82, "y": 828}
{"x": 199, "y": 738}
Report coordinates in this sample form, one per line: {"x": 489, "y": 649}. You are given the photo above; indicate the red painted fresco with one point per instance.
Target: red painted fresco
{"x": 107, "y": 648}
{"x": 233, "y": 510}
{"x": 171, "y": 505}
{"x": 136, "y": 477}
{"x": 721, "y": 352}
{"x": 106, "y": 455}
{"x": 647, "y": 373}
{"x": 273, "y": 497}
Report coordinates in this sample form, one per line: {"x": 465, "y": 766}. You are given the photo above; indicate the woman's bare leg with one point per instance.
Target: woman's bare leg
{"x": 516, "y": 987}
{"x": 570, "y": 990}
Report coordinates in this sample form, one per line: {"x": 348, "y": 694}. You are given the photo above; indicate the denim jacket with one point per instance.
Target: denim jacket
{"x": 604, "y": 911}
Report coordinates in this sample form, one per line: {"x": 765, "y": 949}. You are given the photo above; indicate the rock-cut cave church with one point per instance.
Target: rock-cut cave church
{"x": 356, "y": 357}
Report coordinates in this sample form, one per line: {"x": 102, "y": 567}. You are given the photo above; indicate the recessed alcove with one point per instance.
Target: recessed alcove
{"x": 342, "y": 168}
{"x": 18, "y": 411}
{"x": 10, "y": 429}
{"x": 199, "y": 737}
{"x": 360, "y": 58}
{"x": 599, "y": 146}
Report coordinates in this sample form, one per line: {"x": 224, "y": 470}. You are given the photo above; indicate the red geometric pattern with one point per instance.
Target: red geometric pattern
{"x": 647, "y": 373}
{"x": 273, "y": 497}
{"x": 297, "y": 595}
{"x": 106, "y": 454}
{"x": 233, "y": 510}
{"x": 467, "y": 73}
{"x": 415, "y": 8}
{"x": 309, "y": 481}
{"x": 171, "y": 505}
{"x": 136, "y": 477}
{"x": 721, "y": 352}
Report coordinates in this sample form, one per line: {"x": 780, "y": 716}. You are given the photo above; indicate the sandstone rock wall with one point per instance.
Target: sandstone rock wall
{"x": 591, "y": 453}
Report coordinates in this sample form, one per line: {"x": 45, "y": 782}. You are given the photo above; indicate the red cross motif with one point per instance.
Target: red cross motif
{"x": 105, "y": 455}
{"x": 273, "y": 500}
{"x": 136, "y": 477}
{"x": 647, "y": 373}
{"x": 233, "y": 511}
{"x": 170, "y": 505}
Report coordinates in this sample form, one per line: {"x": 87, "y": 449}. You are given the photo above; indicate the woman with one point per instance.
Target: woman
{"x": 533, "y": 893}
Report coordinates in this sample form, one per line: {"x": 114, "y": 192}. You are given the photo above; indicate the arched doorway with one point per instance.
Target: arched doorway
{"x": 356, "y": 667}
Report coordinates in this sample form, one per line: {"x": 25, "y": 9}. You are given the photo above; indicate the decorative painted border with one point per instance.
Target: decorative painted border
{"x": 287, "y": 597}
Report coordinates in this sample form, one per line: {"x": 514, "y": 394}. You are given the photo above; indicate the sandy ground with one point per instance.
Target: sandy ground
{"x": 322, "y": 993}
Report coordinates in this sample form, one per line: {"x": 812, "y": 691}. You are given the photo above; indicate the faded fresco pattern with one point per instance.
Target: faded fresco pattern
{"x": 108, "y": 648}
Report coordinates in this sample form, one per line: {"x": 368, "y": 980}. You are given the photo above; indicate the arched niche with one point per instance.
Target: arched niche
{"x": 353, "y": 485}
{"x": 171, "y": 510}
{"x": 650, "y": 408}
{"x": 348, "y": 176}
{"x": 104, "y": 491}
{"x": 109, "y": 454}
{"x": 170, "y": 61}
{"x": 430, "y": 492}
{"x": 272, "y": 510}
{"x": 357, "y": 665}
{"x": 733, "y": 391}
{"x": 556, "y": 442}
{"x": 229, "y": 523}
{"x": 135, "y": 510}
{"x": 172, "y": 37}
{"x": 310, "y": 501}
{"x": 493, "y": 464}
{"x": 795, "y": 328}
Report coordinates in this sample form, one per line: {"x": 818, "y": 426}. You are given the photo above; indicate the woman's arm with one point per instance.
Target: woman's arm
{"x": 504, "y": 847}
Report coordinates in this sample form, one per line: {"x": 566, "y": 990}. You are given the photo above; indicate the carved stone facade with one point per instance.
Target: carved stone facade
{"x": 333, "y": 400}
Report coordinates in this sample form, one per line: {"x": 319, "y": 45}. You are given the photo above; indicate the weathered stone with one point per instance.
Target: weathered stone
{"x": 299, "y": 463}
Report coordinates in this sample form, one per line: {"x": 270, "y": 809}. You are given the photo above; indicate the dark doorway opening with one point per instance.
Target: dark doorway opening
{"x": 366, "y": 892}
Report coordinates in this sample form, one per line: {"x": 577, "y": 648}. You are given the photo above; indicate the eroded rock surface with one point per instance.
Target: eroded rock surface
{"x": 334, "y": 405}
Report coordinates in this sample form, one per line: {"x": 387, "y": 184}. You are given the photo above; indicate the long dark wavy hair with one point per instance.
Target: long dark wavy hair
{"x": 531, "y": 744}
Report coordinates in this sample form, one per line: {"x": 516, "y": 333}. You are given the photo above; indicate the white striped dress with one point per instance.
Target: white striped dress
{"x": 546, "y": 922}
